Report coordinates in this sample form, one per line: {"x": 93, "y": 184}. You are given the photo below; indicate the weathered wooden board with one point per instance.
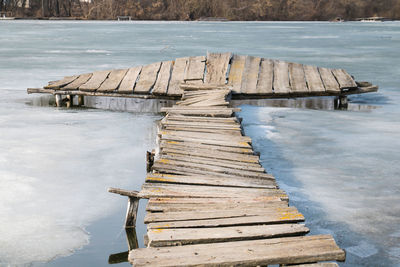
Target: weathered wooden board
{"x": 220, "y": 137}
{"x": 176, "y": 190}
{"x": 265, "y": 77}
{"x": 205, "y": 112}
{"x": 212, "y": 148}
{"x": 236, "y": 73}
{"x": 344, "y": 79}
{"x": 216, "y": 125}
{"x": 83, "y": 78}
{"x": 202, "y": 130}
{"x": 173, "y": 237}
{"x": 313, "y": 79}
{"x": 264, "y": 219}
{"x": 57, "y": 84}
{"x": 95, "y": 81}
{"x": 200, "y": 152}
{"x": 153, "y": 217}
{"x": 297, "y": 78}
{"x": 162, "y": 83}
{"x": 129, "y": 81}
{"x": 171, "y": 117}
{"x": 226, "y": 143}
{"x": 147, "y": 78}
{"x": 233, "y": 200}
{"x": 250, "y": 75}
{"x": 285, "y": 250}
{"x": 214, "y": 162}
{"x": 113, "y": 81}
{"x": 195, "y": 69}
{"x": 177, "y": 77}
{"x": 217, "y": 67}
{"x": 330, "y": 83}
{"x": 210, "y": 180}
{"x": 281, "y": 77}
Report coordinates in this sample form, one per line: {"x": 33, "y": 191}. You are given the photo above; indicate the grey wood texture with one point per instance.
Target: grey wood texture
{"x": 313, "y": 79}
{"x": 83, "y": 78}
{"x": 162, "y": 83}
{"x": 281, "y": 77}
{"x": 330, "y": 83}
{"x": 147, "y": 78}
{"x": 57, "y": 84}
{"x": 266, "y": 77}
{"x": 297, "y": 78}
{"x": 177, "y": 77}
{"x": 113, "y": 81}
{"x": 129, "y": 81}
{"x": 344, "y": 79}
{"x": 217, "y": 67}
{"x": 95, "y": 81}
{"x": 195, "y": 69}
{"x": 250, "y": 75}
{"x": 236, "y": 73}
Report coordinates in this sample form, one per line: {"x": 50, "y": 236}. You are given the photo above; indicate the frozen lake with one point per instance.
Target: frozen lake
{"x": 341, "y": 169}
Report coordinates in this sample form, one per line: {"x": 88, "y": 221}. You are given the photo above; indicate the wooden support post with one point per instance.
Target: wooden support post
{"x": 81, "y": 100}
{"x": 131, "y": 237}
{"x": 58, "y": 100}
{"x": 133, "y": 204}
{"x": 149, "y": 160}
{"x": 341, "y": 102}
{"x": 69, "y": 101}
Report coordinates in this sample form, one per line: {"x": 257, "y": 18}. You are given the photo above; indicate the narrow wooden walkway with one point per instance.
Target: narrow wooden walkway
{"x": 211, "y": 203}
{"x": 249, "y": 77}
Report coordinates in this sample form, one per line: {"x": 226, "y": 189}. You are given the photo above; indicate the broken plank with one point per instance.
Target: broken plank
{"x": 236, "y": 73}
{"x": 83, "y": 78}
{"x": 286, "y": 250}
{"x": 217, "y": 67}
{"x": 281, "y": 77}
{"x": 60, "y": 83}
{"x": 297, "y": 78}
{"x": 147, "y": 78}
{"x": 177, "y": 77}
{"x": 129, "y": 81}
{"x": 161, "y": 85}
{"x": 172, "y": 237}
{"x": 250, "y": 75}
{"x": 212, "y": 148}
{"x": 330, "y": 83}
{"x": 113, "y": 81}
{"x": 313, "y": 79}
{"x": 344, "y": 79}
{"x": 195, "y": 69}
{"x": 265, "y": 77}
{"x": 95, "y": 81}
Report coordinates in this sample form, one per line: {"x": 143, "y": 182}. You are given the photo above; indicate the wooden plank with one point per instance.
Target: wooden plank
{"x": 330, "y": 83}
{"x": 281, "y": 77}
{"x": 286, "y": 250}
{"x": 176, "y": 190}
{"x": 205, "y": 112}
{"x": 212, "y": 148}
{"x": 232, "y": 120}
{"x": 203, "y": 130}
{"x": 147, "y": 78}
{"x": 161, "y": 85}
{"x": 272, "y": 218}
{"x": 236, "y": 73}
{"x": 200, "y": 202}
{"x": 129, "y": 81}
{"x": 344, "y": 79}
{"x": 227, "y": 143}
{"x": 218, "y": 125}
{"x": 221, "y": 137}
{"x": 217, "y": 67}
{"x": 95, "y": 81}
{"x": 60, "y": 83}
{"x": 297, "y": 78}
{"x": 250, "y": 75}
{"x": 214, "y": 162}
{"x": 206, "y": 153}
{"x": 83, "y": 78}
{"x": 265, "y": 77}
{"x": 313, "y": 79}
{"x": 203, "y": 86}
{"x": 174, "y": 237}
{"x": 177, "y": 77}
{"x": 154, "y": 217}
{"x": 113, "y": 81}
{"x": 195, "y": 69}
{"x": 210, "y": 180}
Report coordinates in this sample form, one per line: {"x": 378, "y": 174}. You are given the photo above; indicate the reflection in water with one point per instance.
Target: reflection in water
{"x": 155, "y": 105}
{"x": 131, "y": 238}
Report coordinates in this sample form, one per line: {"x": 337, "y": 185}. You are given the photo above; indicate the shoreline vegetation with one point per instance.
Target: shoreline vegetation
{"x": 203, "y": 10}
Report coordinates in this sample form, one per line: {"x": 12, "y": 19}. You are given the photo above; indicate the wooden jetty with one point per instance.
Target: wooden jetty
{"x": 248, "y": 77}
{"x": 211, "y": 203}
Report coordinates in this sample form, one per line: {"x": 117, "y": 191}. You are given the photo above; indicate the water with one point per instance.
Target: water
{"x": 340, "y": 168}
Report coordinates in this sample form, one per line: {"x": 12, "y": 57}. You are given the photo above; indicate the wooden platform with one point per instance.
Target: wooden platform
{"x": 247, "y": 77}
{"x": 211, "y": 203}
